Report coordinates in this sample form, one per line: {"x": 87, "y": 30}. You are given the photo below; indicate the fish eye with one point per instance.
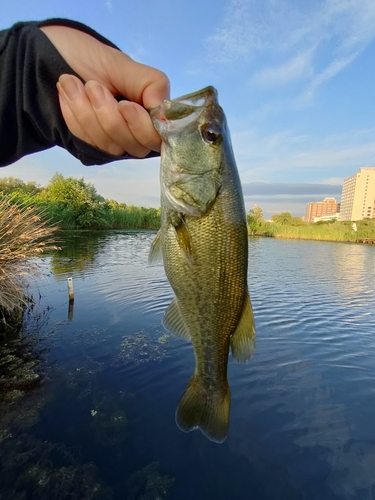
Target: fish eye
{"x": 211, "y": 133}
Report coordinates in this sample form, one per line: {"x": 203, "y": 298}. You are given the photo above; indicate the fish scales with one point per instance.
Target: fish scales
{"x": 204, "y": 246}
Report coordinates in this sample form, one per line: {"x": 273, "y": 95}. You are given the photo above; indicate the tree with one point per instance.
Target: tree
{"x": 70, "y": 190}
{"x": 283, "y": 218}
{"x": 78, "y": 199}
{"x": 255, "y": 219}
{"x": 10, "y": 185}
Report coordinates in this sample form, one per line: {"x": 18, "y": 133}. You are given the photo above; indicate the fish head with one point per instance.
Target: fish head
{"x": 193, "y": 129}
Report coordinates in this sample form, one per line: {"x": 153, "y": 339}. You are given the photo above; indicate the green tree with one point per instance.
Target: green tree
{"x": 255, "y": 219}
{"x": 76, "y": 201}
{"x": 283, "y": 218}
{"x": 10, "y": 185}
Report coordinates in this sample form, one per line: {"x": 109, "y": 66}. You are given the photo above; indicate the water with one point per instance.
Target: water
{"x": 100, "y": 424}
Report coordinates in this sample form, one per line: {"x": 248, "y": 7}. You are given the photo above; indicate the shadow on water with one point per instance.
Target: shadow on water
{"x": 88, "y": 405}
{"x": 78, "y": 253}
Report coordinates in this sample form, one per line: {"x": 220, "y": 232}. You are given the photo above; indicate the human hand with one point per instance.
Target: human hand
{"x": 91, "y": 111}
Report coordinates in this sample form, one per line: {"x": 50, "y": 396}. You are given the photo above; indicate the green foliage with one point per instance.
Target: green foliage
{"x": 283, "y": 218}
{"x": 10, "y": 185}
{"x": 255, "y": 219}
{"x": 75, "y": 204}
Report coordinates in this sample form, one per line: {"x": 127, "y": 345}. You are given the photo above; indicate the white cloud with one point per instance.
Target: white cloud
{"x": 287, "y": 40}
{"x": 333, "y": 180}
{"x": 289, "y": 156}
{"x": 109, "y": 5}
{"x": 294, "y": 68}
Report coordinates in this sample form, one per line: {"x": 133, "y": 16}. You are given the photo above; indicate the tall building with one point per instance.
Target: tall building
{"x": 358, "y": 195}
{"x": 328, "y": 206}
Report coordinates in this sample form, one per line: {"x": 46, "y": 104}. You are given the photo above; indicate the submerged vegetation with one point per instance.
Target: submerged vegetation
{"x": 39, "y": 461}
{"x": 286, "y": 226}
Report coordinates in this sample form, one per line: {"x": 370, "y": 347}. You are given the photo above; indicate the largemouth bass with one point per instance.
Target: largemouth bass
{"x": 203, "y": 243}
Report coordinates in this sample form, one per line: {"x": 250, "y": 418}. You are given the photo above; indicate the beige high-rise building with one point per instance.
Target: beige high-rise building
{"x": 358, "y": 195}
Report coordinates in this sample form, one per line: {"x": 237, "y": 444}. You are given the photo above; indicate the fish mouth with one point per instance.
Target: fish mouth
{"x": 177, "y": 113}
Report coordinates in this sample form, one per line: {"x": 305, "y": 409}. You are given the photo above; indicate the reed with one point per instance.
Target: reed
{"x": 24, "y": 234}
{"x": 336, "y": 231}
{"x": 131, "y": 217}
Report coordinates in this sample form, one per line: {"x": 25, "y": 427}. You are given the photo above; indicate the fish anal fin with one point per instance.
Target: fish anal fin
{"x": 205, "y": 410}
{"x": 155, "y": 255}
{"x": 173, "y": 321}
{"x": 242, "y": 341}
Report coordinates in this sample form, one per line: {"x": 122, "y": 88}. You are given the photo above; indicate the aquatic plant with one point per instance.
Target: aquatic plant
{"x": 41, "y": 470}
{"x": 142, "y": 348}
{"x": 24, "y": 234}
{"x": 148, "y": 484}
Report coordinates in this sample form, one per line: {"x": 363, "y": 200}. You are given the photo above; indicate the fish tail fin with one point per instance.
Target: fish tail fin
{"x": 206, "y": 410}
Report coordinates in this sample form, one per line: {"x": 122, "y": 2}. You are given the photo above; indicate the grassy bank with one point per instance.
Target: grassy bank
{"x": 332, "y": 231}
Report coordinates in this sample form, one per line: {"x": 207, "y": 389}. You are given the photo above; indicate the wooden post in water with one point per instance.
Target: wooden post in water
{"x": 70, "y": 289}
{"x": 71, "y": 310}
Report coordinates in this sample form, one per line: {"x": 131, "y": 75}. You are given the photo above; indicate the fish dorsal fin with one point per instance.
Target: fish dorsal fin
{"x": 173, "y": 321}
{"x": 184, "y": 241}
{"x": 155, "y": 255}
{"x": 242, "y": 342}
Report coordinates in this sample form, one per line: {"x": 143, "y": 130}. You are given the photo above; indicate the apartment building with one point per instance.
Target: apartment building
{"x": 358, "y": 195}
{"x": 316, "y": 209}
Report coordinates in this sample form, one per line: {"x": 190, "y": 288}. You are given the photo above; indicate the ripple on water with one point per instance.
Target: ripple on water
{"x": 303, "y": 408}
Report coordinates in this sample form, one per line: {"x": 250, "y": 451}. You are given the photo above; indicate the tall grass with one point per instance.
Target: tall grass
{"x": 131, "y": 217}
{"x": 24, "y": 234}
{"x": 336, "y": 231}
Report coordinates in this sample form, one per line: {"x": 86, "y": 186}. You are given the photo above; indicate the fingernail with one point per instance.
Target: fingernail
{"x": 69, "y": 86}
{"x": 95, "y": 93}
{"x": 61, "y": 92}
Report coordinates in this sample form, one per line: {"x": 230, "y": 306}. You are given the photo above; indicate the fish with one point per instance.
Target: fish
{"x": 203, "y": 244}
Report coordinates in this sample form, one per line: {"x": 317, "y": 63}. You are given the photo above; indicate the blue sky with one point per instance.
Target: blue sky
{"x": 296, "y": 79}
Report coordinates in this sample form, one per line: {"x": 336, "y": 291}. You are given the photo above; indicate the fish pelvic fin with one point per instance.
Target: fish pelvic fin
{"x": 205, "y": 410}
{"x": 242, "y": 342}
{"x": 173, "y": 321}
{"x": 155, "y": 255}
{"x": 184, "y": 241}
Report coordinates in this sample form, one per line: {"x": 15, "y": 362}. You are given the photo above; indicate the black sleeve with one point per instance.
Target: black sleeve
{"x": 30, "y": 116}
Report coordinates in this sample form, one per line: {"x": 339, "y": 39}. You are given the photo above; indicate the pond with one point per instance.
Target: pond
{"x": 89, "y": 393}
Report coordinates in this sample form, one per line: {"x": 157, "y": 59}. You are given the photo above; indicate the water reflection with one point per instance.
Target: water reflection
{"x": 78, "y": 254}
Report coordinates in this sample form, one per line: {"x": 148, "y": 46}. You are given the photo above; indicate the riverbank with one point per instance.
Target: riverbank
{"x": 332, "y": 231}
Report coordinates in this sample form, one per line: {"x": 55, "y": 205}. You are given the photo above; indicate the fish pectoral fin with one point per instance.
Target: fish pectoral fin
{"x": 155, "y": 255}
{"x": 173, "y": 321}
{"x": 184, "y": 241}
{"x": 203, "y": 409}
{"x": 242, "y": 342}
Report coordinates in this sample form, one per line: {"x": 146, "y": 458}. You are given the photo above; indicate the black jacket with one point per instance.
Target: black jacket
{"x": 30, "y": 116}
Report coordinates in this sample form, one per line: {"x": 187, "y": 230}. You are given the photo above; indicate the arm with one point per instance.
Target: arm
{"x": 30, "y": 116}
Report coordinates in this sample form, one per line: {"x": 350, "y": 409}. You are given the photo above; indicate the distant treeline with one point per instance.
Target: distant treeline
{"x": 75, "y": 204}
{"x": 284, "y": 225}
